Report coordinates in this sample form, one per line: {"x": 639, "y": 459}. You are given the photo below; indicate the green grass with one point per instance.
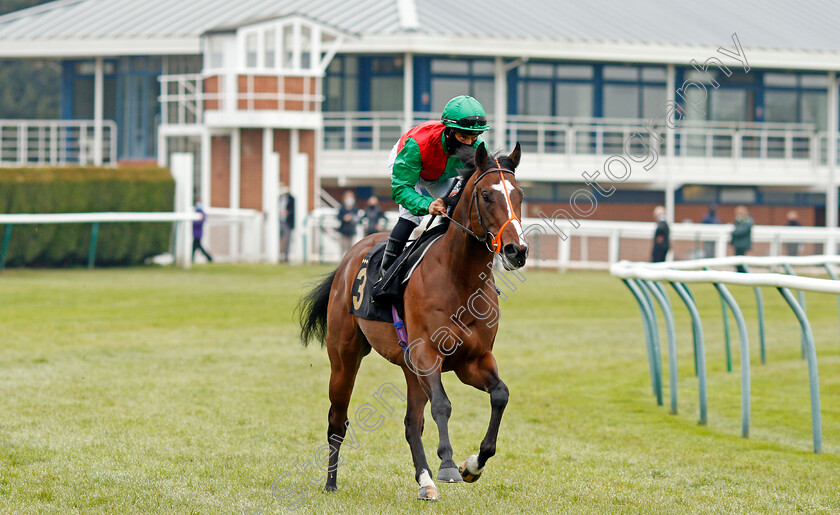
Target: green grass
{"x": 161, "y": 390}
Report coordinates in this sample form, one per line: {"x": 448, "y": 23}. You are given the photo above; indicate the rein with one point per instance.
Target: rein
{"x": 495, "y": 243}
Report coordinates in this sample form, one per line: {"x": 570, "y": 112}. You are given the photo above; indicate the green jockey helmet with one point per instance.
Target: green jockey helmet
{"x": 466, "y": 114}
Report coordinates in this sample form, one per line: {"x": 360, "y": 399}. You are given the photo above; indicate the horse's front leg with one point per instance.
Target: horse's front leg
{"x": 426, "y": 366}
{"x": 483, "y": 374}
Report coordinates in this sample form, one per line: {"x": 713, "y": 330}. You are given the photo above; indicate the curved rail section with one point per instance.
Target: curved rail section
{"x": 645, "y": 282}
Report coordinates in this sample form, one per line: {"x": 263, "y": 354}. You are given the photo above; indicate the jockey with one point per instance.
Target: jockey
{"x": 425, "y": 157}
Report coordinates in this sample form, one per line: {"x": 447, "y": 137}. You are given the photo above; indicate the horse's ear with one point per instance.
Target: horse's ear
{"x": 516, "y": 155}
{"x": 480, "y": 156}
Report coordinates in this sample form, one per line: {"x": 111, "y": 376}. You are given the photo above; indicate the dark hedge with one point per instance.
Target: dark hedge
{"x": 86, "y": 190}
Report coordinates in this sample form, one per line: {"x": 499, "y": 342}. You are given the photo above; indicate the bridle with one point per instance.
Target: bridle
{"x": 495, "y": 241}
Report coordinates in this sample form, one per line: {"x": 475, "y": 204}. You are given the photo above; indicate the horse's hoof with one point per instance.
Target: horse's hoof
{"x": 427, "y": 493}
{"x": 449, "y": 475}
{"x": 330, "y": 488}
{"x": 469, "y": 469}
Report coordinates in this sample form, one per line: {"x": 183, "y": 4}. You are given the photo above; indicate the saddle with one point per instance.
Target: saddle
{"x": 372, "y": 299}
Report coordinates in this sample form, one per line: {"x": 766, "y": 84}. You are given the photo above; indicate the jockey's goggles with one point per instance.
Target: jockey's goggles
{"x": 468, "y": 124}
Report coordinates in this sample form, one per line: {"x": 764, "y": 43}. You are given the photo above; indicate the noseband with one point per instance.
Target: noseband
{"x": 494, "y": 244}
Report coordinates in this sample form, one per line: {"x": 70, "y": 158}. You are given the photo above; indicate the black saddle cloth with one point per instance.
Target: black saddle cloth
{"x": 388, "y": 291}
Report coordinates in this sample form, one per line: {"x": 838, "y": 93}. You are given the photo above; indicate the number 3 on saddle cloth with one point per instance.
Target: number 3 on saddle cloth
{"x": 388, "y": 291}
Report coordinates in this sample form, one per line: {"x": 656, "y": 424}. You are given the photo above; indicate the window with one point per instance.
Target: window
{"x": 535, "y": 98}
{"x": 342, "y": 84}
{"x": 444, "y": 89}
{"x": 305, "y": 47}
{"x": 813, "y": 108}
{"x": 453, "y": 77}
{"x": 796, "y": 98}
{"x": 270, "y": 48}
{"x": 386, "y": 83}
{"x": 288, "y": 46}
{"x": 737, "y": 195}
{"x": 633, "y": 91}
{"x": 730, "y": 105}
{"x": 573, "y": 100}
{"x": 780, "y": 106}
{"x": 621, "y": 101}
{"x": 555, "y": 89}
{"x": 698, "y": 194}
{"x": 216, "y": 51}
{"x": 251, "y": 50}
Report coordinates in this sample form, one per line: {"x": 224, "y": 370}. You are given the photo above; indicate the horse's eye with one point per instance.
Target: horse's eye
{"x": 485, "y": 196}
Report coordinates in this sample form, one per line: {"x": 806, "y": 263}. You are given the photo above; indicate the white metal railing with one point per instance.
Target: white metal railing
{"x": 234, "y": 235}
{"x": 644, "y": 280}
{"x": 598, "y": 136}
{"x": 377, "y": 130}
{"x": 597, "y": 244}
{"x": 184, "y": 98}
{"x": 76, "y": 218}
{"x": 55, "y": 142}
{"x": 181, "y": 99}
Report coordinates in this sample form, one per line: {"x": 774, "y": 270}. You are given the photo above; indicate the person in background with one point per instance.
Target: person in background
{"x": 710, "y": 218}
{"x": 198, "y": 233}
{"x": 374, "y": 217}
{"x": 742, "y": 234}
{"x": 661, "y": 237}
{"x": 348, "y": 218}
{"x": 792, "y": 248}
{"x": 286, "y": 210}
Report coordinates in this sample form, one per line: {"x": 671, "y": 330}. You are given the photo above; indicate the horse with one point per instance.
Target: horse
{"x": 441, "y": 319}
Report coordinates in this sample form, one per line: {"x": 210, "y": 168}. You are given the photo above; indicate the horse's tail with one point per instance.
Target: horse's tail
{"x": 312, "y": 311}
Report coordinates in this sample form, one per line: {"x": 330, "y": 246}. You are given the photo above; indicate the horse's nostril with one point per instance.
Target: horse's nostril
{"x": 511, "y": 250}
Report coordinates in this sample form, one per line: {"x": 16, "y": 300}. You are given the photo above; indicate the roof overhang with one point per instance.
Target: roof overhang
{"x": 419, "y": 43}
{"x": 598, "y": 51}
{"x": 64, "y": 48}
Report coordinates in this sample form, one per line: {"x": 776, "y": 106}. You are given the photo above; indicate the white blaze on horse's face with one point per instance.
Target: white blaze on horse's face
{"x": 506, "y": 192}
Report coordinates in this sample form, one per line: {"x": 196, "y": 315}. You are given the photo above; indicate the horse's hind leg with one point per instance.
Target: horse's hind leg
{"x": 483, "y": 374}
{"x": 345, "y": 351}
{"x": 414, "y": 421}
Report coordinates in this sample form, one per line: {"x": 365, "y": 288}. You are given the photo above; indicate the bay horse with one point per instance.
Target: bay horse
{"x": 446, "y": 330}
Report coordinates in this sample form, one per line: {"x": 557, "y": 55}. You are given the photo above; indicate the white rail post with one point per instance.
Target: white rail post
{"x": 831, "y": 194}
{"x": 271, "y": 182}
{"x": 98, "y": 110}
{"x": 182, "y": 172}
{"x": 670, "y": 144}
{"x": 300, "y": 190}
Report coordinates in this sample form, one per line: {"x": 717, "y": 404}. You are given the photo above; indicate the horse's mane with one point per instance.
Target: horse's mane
{"x": 467, "y": 156}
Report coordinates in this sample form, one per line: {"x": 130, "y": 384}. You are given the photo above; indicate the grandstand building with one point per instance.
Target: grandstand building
{"x": 328, "y": 86}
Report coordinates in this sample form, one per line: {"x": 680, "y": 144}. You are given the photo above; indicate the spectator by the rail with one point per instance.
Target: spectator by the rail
{"x": 198, "y": 233}
{"x": 661, "y": 237}
{"x": 742, "y": 234}
{"x": 374, "y": 217}
{"x": 286, "y": 209}
{"x": 710, "y": 218}
{"x": 348, "y": 218}
{"x": 792, "y": 248}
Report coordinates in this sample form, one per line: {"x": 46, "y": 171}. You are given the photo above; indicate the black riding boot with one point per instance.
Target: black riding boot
{"x": 396, "y": 243}
{"x": 393, "y": 249}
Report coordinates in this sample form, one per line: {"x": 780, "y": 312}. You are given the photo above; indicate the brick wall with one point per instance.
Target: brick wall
{"x": 281, "y": 146}
{"x": 269, "y": 86}
{"x": 307, "y": 146}
{"x": 211, "y": 86}
{"x": 250, "y": 169}
{"x": 220, "y": 171}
